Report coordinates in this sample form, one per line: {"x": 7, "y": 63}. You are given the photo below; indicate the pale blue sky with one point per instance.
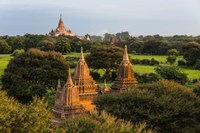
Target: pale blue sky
{"x": 139, "y": 17}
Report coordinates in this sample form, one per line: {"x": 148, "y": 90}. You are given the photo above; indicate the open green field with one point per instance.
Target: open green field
{"x": 141, "y": 69}
{"x": 4, "y": 59}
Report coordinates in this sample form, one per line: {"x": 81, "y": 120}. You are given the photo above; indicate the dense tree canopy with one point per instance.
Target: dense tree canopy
{"x": 46, "y": 45}
{"x": 4, "y": 47}
{"x": 32, "y": 73}
{"x": 19, "y": 118}
{"x": 106, "y": 58}
{"x": 192, "y": 53}
{"x": 172, "y": 73}
{"x": 165, "y": 105}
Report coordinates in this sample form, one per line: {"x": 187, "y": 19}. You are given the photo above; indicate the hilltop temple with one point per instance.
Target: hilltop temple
{"x": 125, "y": 78}
{"x": 61, "y": 30}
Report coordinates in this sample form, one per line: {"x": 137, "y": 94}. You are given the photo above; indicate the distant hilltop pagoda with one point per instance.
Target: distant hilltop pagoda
{"x": 88, "y": 89}
{"x": 61, "y": 30}
{"x": 125, "y": 78}
{"x": 67, "y": 103}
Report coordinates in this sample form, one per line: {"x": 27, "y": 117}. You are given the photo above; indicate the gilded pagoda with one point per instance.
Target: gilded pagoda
{"x": 125, "y": 78}
{"x": 61, "y": 30}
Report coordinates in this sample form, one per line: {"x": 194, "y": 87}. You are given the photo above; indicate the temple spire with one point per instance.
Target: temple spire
{"x": 69, "y": 79}
{"x": 59, "y": 85}
{"x": 105, "y": 88}
{"x": 125, "y": 57}
{"x": 61, "y": 23}
{"x": 82, "y": 56}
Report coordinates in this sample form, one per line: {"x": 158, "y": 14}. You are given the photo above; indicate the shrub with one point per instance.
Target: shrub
{"x": 145, "y": 61}
{"x": 136, "y": 61}
{"x": 95, "y": 75}
{"x": 181, "y": 63}
{"x": 147, "y": 77}
{"x": 154, "y": 62}
{"x": 19, "y": 118}
{"x": 102, "y": 123}
{"x": 18, "y": 52}
{"x": 172, "y": 73}
{"x": 197, "y": 64}
{"x": 164, "y": 105}
{"x": 196, "y": 88}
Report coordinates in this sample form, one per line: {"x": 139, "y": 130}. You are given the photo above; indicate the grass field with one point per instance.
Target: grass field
{"x": 4, "y": 59}
{"x": 141, "y": 69}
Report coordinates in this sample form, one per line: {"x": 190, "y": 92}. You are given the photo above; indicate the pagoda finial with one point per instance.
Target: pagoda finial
{"x": 125, "y": 57}
{"x": 69, "y": 79}
{"x": 59, "y": 85}
{"x": 82, "y": 56}
{"x": 105, "y": 88}
{"x": 61, "y": 23}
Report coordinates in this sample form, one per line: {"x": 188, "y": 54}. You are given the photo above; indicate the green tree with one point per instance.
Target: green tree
{"x": 4, "y": 47}
{"x": 164, "y": 105}
{"x": 102, "y": 123}
{"x": 172, "y": 73}
{"x": 16, "y": 42}
{"x": 63, "y": 46}
{"x": 19, "y": 118}
{"x": 32, "y": 73}
{"x": 18, "y": 52}
{"x": 106, "y": 58}
{"x": 46, "y": 45}
{"x": 191, "y": 53}
{"x": 172, "y": 55}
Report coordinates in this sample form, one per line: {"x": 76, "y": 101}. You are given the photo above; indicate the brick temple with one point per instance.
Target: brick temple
{"x": 67, "y": 101}
{"x": 75, "y": 98}
{"x": 125, "y": 78}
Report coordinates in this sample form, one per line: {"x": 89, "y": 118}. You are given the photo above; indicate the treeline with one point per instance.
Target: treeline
{"x": 187, "y": 46}
{"x": 152, "y": 45}
{"x": 62, "y": 44}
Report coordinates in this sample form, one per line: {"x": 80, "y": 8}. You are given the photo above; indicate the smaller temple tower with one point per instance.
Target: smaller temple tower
{"x": 125, "y": 78}
{"x": 67, "y": 102}
{"x": 105, "y": 88}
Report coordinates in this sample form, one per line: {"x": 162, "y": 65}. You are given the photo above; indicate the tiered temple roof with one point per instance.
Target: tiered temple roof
{"x": 61, "y": 30}
{"x": 125, "y": 78}
{"x": 67, "y": 103}
{"x": 88, "y": 89}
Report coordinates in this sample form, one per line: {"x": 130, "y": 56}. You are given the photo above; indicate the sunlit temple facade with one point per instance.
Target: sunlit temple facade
{"x": 76, "y": 97}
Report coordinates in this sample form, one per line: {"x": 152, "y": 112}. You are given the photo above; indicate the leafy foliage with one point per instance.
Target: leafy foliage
{"x": 172, "y": 73}
{"x": 102, "y": 123}
{"x": 4, "y": 47}
{"x": 192, "y": 53}
{"x": 106, "y": 58}
{"x": 46, "y": 45}
{"x": 18, "y": 118}
{"x": 32, "y": 73}
{"x": 164, "y": 105}
{"x": 63, "y": 46}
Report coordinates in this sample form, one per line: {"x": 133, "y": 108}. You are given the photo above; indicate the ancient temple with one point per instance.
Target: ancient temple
{"x": 67, "y": 103}
{"x": 61, "y": 30}
{"x": 125, "y": 78}
{"x": 88, "y": 89}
